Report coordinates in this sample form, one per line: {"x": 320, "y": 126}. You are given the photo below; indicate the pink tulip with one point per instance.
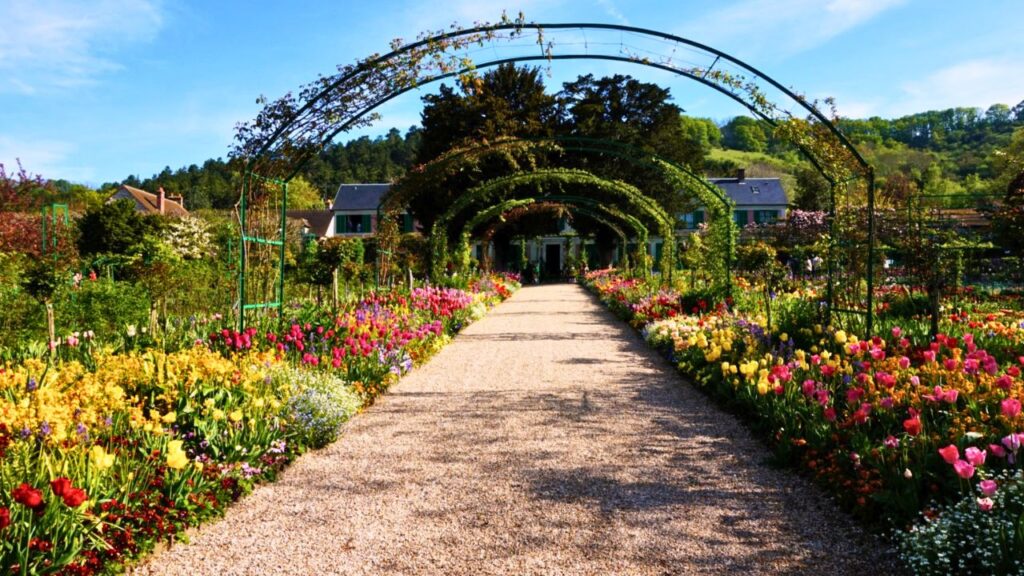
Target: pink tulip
{"x": 950, "y": 453}
{"x": 929, "y": 355}
{"x": 896, "y": 331}
{"x": 1010, "y": 407}
{"x": 997, "y": 450}
{"x": 988, "y": 487}
{"x": 963, "y": 469}
{"x": 950, "y": 396}
{"x": 1004, "y": 382}
{"x": 975, "y": 456}
{"x": 949, "y": 364}
{"x": 891, "y": 442}
{"x": 985, "y": 504}
{"x": 904, "y": 362}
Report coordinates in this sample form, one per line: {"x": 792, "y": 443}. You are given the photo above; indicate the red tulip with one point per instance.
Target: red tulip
{"x": 27, "y": 496}
{"x": 950, "y": 454}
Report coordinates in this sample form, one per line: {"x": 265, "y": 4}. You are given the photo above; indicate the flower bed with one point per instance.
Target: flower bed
{"x": 908, "y": 433}
{"x": 100, "y": 460}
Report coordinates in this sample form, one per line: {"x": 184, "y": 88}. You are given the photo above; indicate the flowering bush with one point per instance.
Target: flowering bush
{"x": 103, "y": 454}
{"x": 893, "y": 425}
{"x": 319, "y": 405}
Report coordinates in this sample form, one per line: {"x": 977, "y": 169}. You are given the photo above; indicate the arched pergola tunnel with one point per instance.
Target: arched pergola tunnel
{"x": 721, "y": 227}
{"x": 602, "y": 213}
{"x": 290, "y": 130}
{"x": 500, "y": 189}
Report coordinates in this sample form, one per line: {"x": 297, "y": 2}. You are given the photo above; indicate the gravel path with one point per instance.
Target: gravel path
{"x": 546, "y": 439}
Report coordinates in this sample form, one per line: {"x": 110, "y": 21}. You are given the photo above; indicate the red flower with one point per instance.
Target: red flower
{"x": 60, "y": 486}
{"x": 74, "y": 497}
{"x": 912, "y": 425}
{"x": 5, "y": 518}
{"x": 27, "y": 496}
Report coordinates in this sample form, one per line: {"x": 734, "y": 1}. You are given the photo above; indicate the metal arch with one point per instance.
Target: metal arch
{"x": 517, "y": 27}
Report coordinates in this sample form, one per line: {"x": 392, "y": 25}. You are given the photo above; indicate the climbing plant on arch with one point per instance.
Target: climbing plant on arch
{"x": 289, "y": 130}
{"x": 507, "y": 185}
{"x": 516, "y": 152}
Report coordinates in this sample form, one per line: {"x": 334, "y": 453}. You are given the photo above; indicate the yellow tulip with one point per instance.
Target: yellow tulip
{"x": 235, "y": 415}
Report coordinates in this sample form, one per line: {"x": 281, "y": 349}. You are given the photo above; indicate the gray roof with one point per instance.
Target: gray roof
{"x": 753, "y": 191}
{"x": 319, "y": 221}
{"x": 359, "y": 196}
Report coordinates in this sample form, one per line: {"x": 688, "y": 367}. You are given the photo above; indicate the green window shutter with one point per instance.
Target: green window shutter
{"x": 366, "y": 224}
{"x": 698, "y": 218}
{"x": 740, "y": 217}
{"x": 406, "y": 223}
{"x": 340, "y": 224}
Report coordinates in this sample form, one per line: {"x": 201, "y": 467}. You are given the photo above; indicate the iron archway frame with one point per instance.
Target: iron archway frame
{"x": 289, "y": 131}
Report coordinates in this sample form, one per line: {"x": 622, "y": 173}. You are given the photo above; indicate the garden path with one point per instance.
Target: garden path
{"x": 546, "y": 439}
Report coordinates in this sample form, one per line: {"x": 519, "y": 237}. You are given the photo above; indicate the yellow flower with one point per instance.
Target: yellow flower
{"x": 840, "y": 337}
{"x": 99, "y": 458}
{"x": 170, "y": 417}
{"x": 235, "y": 415}
{"x": 176, "y": 457}
{"x": 218, "y": 414}
{"x": 259, "y": 402}
{"x": 784, "y": 337}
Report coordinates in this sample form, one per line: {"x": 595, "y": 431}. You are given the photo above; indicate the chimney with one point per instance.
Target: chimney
{"x": 741, "y": 174}
{"x": 178, "y": 198}
{"x": 160, "y": 200}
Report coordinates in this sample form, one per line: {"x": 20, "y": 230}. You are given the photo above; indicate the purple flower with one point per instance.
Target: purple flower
{"x": 31, "y": 385}
{"x": 45, "y": 429}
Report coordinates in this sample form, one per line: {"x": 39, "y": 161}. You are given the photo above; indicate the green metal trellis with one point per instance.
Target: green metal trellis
{"x": 243, "y": 249}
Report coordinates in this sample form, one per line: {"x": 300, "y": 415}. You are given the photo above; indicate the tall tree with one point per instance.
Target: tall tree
{"x": 505, "y": 101}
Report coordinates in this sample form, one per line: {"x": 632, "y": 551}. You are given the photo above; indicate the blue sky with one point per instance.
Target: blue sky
{"x": 95, "y": 90}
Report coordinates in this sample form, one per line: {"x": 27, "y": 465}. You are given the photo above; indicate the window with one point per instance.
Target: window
{"x": 740, "y": 217}
{"x": 755, "y": 190}
{"x": 692, "y": 220}
{"x": 405, "y": 223}
{"x": 765, "y": 216}
{"x": 352, "y": 224}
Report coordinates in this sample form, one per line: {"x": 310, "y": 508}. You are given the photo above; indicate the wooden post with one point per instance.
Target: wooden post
{"x": 51, "y": 330}
{"x": 410, "y": 279}
{"x": 334, "y": 288}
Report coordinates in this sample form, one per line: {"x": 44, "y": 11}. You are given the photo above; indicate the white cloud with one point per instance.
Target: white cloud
{"x": 782, "y": 28}
{"x": 45, "y": 157}
{"x": 979, "y": 83}
{"x": 47, "y": 44}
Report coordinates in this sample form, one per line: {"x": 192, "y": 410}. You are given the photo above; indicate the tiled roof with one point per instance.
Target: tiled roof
{"x": 319, "y": 221}
{"x": 753, "y": 191}
{"x": 147, "y": 201}
{"x": 359, "y": 196}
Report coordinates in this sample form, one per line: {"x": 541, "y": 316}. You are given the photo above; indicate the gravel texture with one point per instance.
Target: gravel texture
{"x": 546, "y": 439}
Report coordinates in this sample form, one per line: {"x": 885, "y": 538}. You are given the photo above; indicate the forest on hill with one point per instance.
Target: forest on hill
{"x": 959, "y": 153}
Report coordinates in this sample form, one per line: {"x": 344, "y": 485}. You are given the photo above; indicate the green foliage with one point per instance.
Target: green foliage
{"x": 745, "y": 133}
{"x": 303, "y": 196}
{"x": 318, "y": 405}
{"x": 115, "y": 228}
{"x": 102, "y": 305}
{"x": 190, "y": 238}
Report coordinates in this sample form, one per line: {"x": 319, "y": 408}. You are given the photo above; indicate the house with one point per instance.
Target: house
{"x": 355, "y": 209}
{"x": 757, "y": 200}
{"x": 319, "y": 223}
{"x": 149, "y": 203}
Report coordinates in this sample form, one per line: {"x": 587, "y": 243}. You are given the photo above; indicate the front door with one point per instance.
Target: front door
{"x": 553, "y": 261}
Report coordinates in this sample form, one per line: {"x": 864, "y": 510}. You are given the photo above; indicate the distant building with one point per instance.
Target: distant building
{"x": 149, "y": 203}
{"x": 758, "y": 201}
{"x": 320, "y": 223}
{"x": 355, "y": 209}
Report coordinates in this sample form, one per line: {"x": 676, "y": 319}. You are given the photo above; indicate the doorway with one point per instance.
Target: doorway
{"x": 553, "y": 261}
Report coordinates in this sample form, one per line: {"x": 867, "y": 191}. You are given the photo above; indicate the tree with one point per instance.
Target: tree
{"x": 812, "y": 190}
{"x": 303, "y": 196}
{"x": 639, "y": 114}
{"x": 745, "y": 133}
{"x": 702, "y": 134}
{"x": 115, "y": 228}
{"x": 505, "y": 101}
